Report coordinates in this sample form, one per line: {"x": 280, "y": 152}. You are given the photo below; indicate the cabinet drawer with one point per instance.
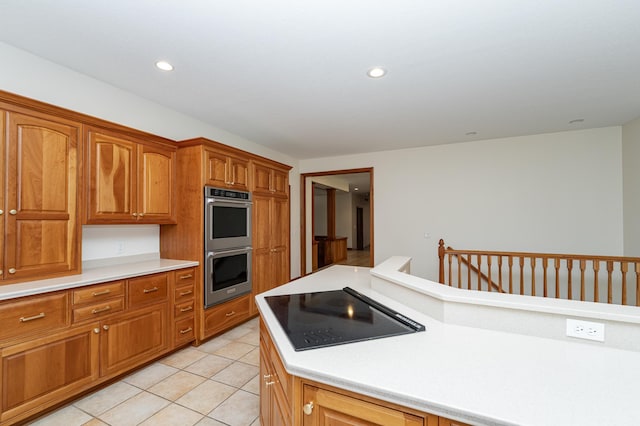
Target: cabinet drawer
{"x": 223, "y": 316}
{"x": 185, "y": 276}
{"x": 98, "y": 292}
{"x": 98, "y": 310}
{"x": 184, "y": 331}
{"x": 40, "y": 313}
{"x": 148, "y": 289}
{"x": 182, "y": 310}
{"x": 183, "y": 294}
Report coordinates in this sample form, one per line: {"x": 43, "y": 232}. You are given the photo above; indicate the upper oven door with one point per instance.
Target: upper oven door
{"x": 227, "y": 224}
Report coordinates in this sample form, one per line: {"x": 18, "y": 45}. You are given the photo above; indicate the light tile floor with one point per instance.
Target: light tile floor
{"x": 214, "y": 384}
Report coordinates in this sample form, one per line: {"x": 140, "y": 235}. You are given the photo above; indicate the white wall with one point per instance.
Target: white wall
{"x": 25, "y": 74}
{"x": 319, "y": 211}
{"x": 558, "y": 192}
{"x": 631, "y": 185}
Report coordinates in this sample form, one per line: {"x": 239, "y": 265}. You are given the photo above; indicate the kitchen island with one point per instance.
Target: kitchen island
{"x": 485, "y": 359}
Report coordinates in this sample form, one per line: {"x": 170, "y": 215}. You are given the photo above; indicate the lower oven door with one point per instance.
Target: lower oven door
{"x": 227, "y": 274}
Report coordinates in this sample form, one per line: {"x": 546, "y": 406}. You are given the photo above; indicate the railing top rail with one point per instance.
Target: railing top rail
{"x": 544, "y": 255}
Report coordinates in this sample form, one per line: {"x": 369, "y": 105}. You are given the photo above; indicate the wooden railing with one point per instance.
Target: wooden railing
{"x": 607, "y": 279}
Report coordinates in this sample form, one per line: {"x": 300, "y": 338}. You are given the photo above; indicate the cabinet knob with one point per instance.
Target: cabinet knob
{"x": 1, "y": 211}
{"x": 13, "y": 212}
{"x": 96, "y": 330}
{"x": 134, "y": 214}
{"x": 12, "y": 270}
{"x": 307, "y": 408}
{"x": 105, "y": 327}
{"x": 140, "y": 214}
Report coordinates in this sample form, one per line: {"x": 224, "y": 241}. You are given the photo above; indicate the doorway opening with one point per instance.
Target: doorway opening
{"x": 336, "y": 223}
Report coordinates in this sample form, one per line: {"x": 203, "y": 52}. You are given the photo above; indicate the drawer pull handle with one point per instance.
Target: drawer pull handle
{"x": 186, "y": 293}
{"x": 269, "y": 383}
{"x": 186, "y": 330}
{"x": 230, "y": 314}
{"x": 308, "y": 408}
{"x": 100, "y": 310}
{"x": 150, "y": 290}
{"x": 187, "y": 309}
{"x": 35, "y": 317}
{"x": 100, "y": 293}
{"x": 184, "y": 277}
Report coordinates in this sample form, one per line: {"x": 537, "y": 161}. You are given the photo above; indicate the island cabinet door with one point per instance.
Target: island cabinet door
{"x": 325, "y": 407}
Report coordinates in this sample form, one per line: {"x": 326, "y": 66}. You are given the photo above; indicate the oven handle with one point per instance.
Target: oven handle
{"x": 225, "y": 200}
{"x": 240, "y": 250}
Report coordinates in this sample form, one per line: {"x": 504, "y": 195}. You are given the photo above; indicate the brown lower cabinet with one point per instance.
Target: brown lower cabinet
{"x": 287, "y": 400}
{"x": 57, "y": 353}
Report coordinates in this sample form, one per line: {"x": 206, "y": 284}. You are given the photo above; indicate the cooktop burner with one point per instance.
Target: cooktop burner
{"x": 328, "y": 318}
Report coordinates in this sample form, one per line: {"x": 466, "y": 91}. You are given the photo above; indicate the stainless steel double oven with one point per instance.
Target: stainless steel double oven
{"x": 227, "y": 242}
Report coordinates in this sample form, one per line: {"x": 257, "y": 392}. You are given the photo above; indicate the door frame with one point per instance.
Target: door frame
{"x": 304, "y": 238}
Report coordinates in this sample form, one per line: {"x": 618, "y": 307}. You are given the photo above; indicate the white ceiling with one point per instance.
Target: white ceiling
{"x": 291, "y": 75}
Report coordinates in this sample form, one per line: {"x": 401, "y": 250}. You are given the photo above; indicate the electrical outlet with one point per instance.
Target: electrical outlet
{"x": 585, "y": 330}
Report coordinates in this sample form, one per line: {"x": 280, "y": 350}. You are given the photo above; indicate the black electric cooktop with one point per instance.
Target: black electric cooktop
{"x": 328, "y": 318}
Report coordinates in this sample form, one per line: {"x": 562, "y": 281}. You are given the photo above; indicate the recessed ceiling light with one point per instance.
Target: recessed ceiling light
{"x": 376, "y": 72}
{"x": 471, "y": 133}
{"x": 164, "y": 66}
{"x": 577, "y": 120}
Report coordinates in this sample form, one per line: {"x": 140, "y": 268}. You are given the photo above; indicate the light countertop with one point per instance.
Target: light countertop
{"x": 477, "y": 375}
{"x": 109, "y": 270}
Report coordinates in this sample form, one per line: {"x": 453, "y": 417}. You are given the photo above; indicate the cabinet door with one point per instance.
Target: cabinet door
{"x": 156, "y": 183}
{"x": 41, "y": 226}
{"x": 46, "y": 370}
{"x": 280, "y": 183}
{"x": 280, "y": 241}
{"x": 216, "y": 169}
{"x": 3, "y": 115}
{"x": 261, "y": 179}
{"x": 132, "y": 339}
{"x": 239, "y": 174}
{"x": 336, "y": 409}
{"x": 112, "y": 179}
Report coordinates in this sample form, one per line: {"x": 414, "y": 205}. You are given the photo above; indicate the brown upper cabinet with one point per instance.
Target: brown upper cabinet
{"x": 227, "y": 171}
{"x": 129, "y": 181}
{"x": 270, "y": 181}
{"x": 38, "y": 195}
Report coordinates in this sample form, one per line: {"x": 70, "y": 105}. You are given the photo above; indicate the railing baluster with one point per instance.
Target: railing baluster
{"x": 521, "y": 273}
{"x": 570, "y": 279}
{"x": 624, "y": 268}
{"x": 489, "y": 272}
{"x": 500, "y": 274}
{"x": 510, "y": 274}
{"x": 479, "y": 270}
{"x": 556, "y": 264}
{"x": 533, "y": 276}
{"x": 544, "y": 271}
{"x": 637, "y": 267}
{"x": 583, "y": 266}
{"x": 468, "y": 271}
{"x": 449, "y": 274}
{"x": 609, "y": 282}
{"x": 596, "y": 269}
{"x": 459, "y": 272}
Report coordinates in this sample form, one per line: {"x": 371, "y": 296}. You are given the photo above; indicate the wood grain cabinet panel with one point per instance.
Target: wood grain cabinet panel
{"x": 227, "y": 171}
{"x": 129, "y": 181}
{"x": 47, "y": 369}
{"x": 28, "y": 315}
{"x": 130, "y": 339}
{"x": 270, "y": 243}
{"x": 40, "y": 212}
{"x": 270, "y": 181}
